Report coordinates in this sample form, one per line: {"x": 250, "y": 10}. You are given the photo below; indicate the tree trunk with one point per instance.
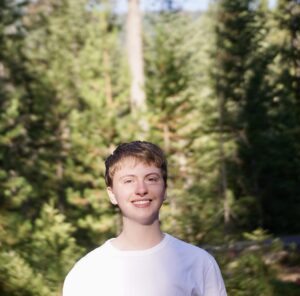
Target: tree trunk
{"x": 223, "y": 170}
{"x": 135, "y": 56}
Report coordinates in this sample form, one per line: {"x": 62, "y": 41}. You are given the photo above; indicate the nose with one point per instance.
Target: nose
{"x": 141, "y": 188}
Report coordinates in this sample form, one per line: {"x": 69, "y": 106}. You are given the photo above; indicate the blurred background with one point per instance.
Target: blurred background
{"x": 215, "y": 83}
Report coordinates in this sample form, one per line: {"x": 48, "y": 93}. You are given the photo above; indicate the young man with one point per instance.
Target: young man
{"x": 142, "y": 260}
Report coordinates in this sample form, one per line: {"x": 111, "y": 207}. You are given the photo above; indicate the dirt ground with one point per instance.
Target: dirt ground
{"x": 289, "y": 274}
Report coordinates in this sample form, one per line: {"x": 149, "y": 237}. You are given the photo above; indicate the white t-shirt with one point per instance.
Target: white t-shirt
{"x": 171, "y": 268}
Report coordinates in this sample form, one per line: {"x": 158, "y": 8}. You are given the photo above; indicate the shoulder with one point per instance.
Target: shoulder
{"x": 89, "y": 262}
{"x": 83, "y": 273}
{"x": 188, "y": 248}
{"x": 94, "y": 254}
{"x": 196, "y": 257}
{"x": 201, "y": 266}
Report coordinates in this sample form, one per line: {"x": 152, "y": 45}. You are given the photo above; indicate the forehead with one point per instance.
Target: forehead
{"x": 134, "y": 165}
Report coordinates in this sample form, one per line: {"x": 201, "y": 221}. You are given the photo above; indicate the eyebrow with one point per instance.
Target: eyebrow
{"x": 157, "y": 174}
{"x": 132, "y": 175}
{"x": 126, "y": 176}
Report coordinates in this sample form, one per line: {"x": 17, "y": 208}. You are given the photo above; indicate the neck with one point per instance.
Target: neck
{"x": 136, "y": 236}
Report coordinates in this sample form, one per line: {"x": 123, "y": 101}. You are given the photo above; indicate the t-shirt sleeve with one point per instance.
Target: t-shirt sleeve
{"x": 214, "y": 284}
{"x": 72, "y": 285}
{"x": 68, "y": 287}
{"x": 207, "y": 276}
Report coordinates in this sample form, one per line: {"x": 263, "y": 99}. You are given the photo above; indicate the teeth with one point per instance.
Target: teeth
{"x": 141, "y": 202}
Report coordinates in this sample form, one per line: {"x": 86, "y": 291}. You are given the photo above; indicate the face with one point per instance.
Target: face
{"x": 139, "y": 191}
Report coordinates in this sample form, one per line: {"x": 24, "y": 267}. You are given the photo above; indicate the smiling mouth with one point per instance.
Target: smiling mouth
{"x": 142, "y": 203}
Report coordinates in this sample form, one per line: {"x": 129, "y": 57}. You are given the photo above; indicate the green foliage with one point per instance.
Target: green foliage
{"x": 65, "y": 105}
{"x": 181, "y": 112}
{"x": 258, "y": 235}
{"x": 254, "y": 85}
{"x": 248, "y": 276}
{"x": 57, "y": 250}
{"x": 287, "y": 288}
{"x": 55, "y": 132}
{"x": 245, "y": 268}
{"x": 18, "y": 278}
{"x": 283, "y": 132}
{"x": 35, "y": 261}
{"x": 239, "y": 73}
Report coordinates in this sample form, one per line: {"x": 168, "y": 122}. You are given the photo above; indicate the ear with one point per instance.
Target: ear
{"x": 111, "y": 196}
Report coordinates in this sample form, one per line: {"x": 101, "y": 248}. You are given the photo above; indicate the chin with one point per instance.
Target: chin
{"x": 146, "y": 221}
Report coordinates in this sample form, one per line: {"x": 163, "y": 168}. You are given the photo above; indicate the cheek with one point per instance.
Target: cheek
{"x": 123, "y": 192}
{"x": 161, "y": 192}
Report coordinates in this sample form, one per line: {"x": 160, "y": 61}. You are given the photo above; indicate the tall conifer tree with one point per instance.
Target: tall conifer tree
{"x": 241, "y": 63}
{"x": 58, "y": 125}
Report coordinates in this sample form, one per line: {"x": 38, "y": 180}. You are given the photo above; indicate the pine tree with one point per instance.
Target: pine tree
{"x": 181, "y": 111}
{"x": 243, "y": 95}
{"x": 64, "y": 88}
{"x": 279, "y": 174}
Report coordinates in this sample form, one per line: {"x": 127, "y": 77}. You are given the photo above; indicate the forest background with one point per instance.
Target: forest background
{"x": 218, "y": 90}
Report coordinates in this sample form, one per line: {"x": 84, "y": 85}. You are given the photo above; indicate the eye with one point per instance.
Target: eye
{"x": 153, "y": 179}
{"x": 127, "y": 181}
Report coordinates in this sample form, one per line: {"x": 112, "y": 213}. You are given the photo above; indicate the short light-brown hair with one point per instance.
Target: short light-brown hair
{"x": 143, "y": 151}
